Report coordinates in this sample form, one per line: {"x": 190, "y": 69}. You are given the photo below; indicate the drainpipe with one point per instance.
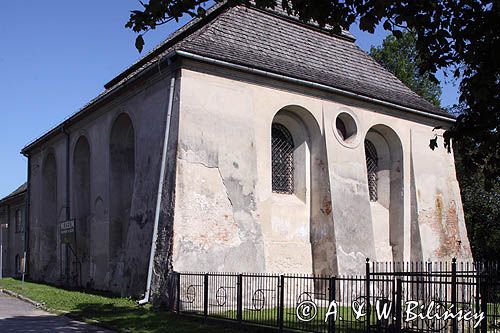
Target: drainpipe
{"x": 26, "y": 218}
{"x": 159, "y": 194}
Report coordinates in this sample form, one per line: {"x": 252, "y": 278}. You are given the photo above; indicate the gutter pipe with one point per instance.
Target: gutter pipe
{"x": 27, "y": 219}
{"x": 310, "y": 84}
{"x": 159, "y": 194}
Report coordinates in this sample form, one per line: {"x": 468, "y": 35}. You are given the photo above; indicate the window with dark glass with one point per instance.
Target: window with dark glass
{"x": 19, "y": 221}
{"x": 372, "y": 168}
{"x": 282, "y": 160}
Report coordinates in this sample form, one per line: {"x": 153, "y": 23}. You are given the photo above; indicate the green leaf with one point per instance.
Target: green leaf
{"x": 139, "y": 43}
{"x": 397, "y": 33}
{"x": 433, "y": 143}
{"x": 387, "y": 25}
{"x": 201, "y": 11}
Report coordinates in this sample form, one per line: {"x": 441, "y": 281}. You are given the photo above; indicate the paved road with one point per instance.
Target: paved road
{"x": 19, "y": 316}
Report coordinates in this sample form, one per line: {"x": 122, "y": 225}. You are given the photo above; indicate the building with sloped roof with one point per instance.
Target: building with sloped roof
{"x": 13, "y": 233}
{"x": 246, "y": 142}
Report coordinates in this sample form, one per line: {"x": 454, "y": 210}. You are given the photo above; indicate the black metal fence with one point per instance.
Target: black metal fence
{"x": 409, "y": 297}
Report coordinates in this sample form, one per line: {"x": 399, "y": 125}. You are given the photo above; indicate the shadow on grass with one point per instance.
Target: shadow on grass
{"x": 146, "y": 319}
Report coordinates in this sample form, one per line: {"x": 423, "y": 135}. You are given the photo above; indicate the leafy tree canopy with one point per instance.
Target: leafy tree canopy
{"x": 400, "y": 57}
{"x": 461, "y": 37}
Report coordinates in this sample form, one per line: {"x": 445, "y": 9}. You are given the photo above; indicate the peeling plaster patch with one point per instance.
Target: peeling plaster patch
{"x": 326, "y": 206}
{"x": 352, "y": 263}
{"x": 246, "y": 200}
{"x": 449, "y": 234}
{"x": 353, "y": 255}
{"x": 205, "y": 211}
{"x": 208, "y": 159}
{"x": 439, "y": 208}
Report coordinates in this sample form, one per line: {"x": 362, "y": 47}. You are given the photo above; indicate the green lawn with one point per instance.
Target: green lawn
{"x": 120, "y": 314}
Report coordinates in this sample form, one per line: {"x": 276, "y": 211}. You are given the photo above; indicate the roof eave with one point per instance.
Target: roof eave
{"x": 211, "y": 13}
{"x": 261, "y": 72}
{"x": 87, "y": 108}
{"x": 11, "y": 198}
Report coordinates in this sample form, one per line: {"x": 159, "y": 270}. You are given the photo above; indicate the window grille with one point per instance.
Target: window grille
{"x": 282, "y": 160}
{"x": 372, "y": 168}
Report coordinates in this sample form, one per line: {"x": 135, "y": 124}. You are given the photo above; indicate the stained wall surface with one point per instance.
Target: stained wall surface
{"x": 227, "y": 218}
{"x": 110, "y": 180}
{"x": 219, "y": 211}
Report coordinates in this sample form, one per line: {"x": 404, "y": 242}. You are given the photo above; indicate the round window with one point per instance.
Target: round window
{"x": 346, "y": 129}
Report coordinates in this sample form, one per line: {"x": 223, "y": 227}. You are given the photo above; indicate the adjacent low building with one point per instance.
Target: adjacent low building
{"x": 246, "y": 142}
{"x": 12, "y": 222}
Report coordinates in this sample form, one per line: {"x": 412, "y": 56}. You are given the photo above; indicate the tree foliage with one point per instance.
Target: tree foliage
{"x": 461, "y": 37}
{"x": 481, "y": 206}
{"x": 400, "y": 57}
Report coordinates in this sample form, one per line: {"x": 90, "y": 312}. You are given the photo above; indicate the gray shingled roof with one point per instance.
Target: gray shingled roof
{"x": 21, "y": 189}
{"x": 267, "y": 40}
{"x": 263, "y": 40}
{"x": 252, "y": 38}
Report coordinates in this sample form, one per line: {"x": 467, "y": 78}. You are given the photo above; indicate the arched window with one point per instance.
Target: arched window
{"x": 372, "y": 168}
{"x": 122, "y": 172}
{"x": 282, "y": 159}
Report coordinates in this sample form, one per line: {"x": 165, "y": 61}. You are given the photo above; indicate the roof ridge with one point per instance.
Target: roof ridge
{"x": 211, "y": 14}
{"x": 296, "y": 20}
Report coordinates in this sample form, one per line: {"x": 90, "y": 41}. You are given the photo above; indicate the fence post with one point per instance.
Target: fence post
{"x": 239, "y": 299}
{"x": 454, "y": 322}
{"x": 205, "y": 296}
{"x": 332, "y": 292}
{"x": 178, "y": 292}
{"x": 399, "y": 304}
{"x": 368, "y": 310}
{"x": 281, "y": 305}
{"x": 484, "y": 302}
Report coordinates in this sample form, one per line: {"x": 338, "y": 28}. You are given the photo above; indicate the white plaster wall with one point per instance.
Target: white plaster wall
{"x": 439, "y": 206}
{"x": 224, "y": 135}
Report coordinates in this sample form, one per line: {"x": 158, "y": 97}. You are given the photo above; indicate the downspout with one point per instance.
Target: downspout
{"x": 27, "y": 218}
{"x": 159, "y": 194}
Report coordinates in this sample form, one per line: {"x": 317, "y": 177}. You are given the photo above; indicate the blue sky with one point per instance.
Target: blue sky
{"x": 56, "y": 55}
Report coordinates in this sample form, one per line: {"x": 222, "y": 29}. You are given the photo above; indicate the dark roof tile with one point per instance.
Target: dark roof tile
{"x": 269, "y": 41}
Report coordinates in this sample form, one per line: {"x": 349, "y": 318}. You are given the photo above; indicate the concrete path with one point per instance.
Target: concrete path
{"x": 19, "y": 316}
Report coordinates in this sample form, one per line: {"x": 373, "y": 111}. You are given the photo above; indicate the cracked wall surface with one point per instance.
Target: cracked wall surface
{"x": 218, "y": 210}
{"x": 125, "y": 272}
{"x": 224, "y": 200}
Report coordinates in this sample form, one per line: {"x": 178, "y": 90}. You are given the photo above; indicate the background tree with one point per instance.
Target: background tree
{"x": 400, "y": 57}
{"x": 481, "y": 203}
{"x": 481, "y": 206}
{"x": 461, "y": 37}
